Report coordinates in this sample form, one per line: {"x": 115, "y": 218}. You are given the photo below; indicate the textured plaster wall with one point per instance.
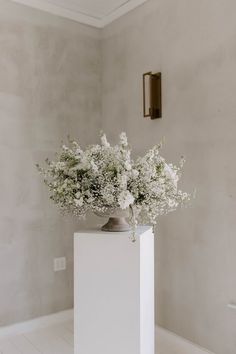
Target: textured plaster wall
{"x": 49, "y": 87}
{"x": 193, "y": 44}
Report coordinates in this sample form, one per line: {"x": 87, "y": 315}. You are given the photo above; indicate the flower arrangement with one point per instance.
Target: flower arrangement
{"x": 103, "y": 178}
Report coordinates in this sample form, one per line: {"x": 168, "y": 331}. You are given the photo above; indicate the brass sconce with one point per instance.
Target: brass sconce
{"x": 152, "y": 94}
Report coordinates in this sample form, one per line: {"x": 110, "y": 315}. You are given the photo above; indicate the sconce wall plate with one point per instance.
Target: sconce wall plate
{"x": 152, "y": 94}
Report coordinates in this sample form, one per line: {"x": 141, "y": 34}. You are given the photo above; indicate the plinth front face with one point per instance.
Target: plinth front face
{"x": 114, "y": 293}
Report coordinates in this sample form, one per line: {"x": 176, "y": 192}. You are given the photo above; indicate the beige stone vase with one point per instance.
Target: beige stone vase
{"x": 117, "y": 221}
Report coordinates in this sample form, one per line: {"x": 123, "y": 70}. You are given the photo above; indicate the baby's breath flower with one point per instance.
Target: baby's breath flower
{"x": 104, "y": 178}
{"x": 104, "y": 141}
{"x": 123, "y": 139}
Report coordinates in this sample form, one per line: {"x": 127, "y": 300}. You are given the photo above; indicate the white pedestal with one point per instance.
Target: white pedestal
{"x": 114, "y": 292}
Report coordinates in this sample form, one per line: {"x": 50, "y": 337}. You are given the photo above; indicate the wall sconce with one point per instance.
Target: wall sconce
{"x": 152, "y": 95}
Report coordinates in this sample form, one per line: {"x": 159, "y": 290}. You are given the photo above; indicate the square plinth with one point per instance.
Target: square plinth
{"x": 114, "y": 292}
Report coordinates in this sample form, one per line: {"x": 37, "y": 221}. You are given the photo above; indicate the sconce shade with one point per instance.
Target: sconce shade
{"x": 152, "y": 95}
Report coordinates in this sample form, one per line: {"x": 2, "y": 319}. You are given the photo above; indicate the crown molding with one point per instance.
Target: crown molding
{"x": 61, "y": 11}
{"x": 79, "y": 16}
{"x": 122, "y": 10}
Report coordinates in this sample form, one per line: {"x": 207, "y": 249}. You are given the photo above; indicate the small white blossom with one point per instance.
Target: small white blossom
{"x": 123, "y": 139}
{"x": 94, "y": 166}
{"x": 104, "y": 141}
{"x": 122, "y": 180}
{"x": 171, "y": 174}
{"x": 77, "y": 195}
{"x": 125, "y": 199}
{"x": 128, "y": 166}
{"x": 79, "y": 202}
{"x": 134, "y": 173}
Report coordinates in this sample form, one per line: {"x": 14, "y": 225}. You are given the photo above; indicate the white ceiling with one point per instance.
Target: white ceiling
{"x": 97, "y": 13}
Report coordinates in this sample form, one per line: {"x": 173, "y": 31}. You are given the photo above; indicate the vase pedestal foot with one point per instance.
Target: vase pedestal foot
{"x": 116, "y": 224}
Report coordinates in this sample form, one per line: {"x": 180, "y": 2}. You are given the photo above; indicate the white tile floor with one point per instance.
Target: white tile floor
{"x": 58, "y": 339}
{"x": 51, "y": 340}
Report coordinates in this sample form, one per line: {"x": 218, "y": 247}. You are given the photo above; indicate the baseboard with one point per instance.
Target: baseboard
{"x": 37, "y": 323}
{"x": 180, "y": 344}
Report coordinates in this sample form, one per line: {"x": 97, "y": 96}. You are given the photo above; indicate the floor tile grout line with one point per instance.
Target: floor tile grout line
{"x": 62, "y": 338}
{"x": 37, "y": 349}
{"x": 11, "y": 340}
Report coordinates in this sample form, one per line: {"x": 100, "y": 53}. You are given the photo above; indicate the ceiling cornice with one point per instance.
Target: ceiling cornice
{"x": 79, "y": 16}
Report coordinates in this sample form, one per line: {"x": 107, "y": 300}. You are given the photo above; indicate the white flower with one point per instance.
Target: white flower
{"x": 60, "y": 165}
{"x": 134, "y": 173}
{"x": 93, "y": 166}
{"x": 155, "y": 188}
{"x": 125, "y": 199}
{"x": 104, "y": 141}
{"x": 84, "y": 163}
{"x": 122, "y": 180}
{"x": 128, "y": 165}
{"x": 77, "y": 195}
{"x": 104, "y": 177}
{"x": 172, "y": 203}
{"x": 171, "y": 174}
{"x": 108, "y": 194}
{"x": 79, "y": 202}
{"x": 123, "y": 139}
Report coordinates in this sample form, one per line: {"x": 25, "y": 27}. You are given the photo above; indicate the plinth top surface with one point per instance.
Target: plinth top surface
{"x": 96, "y": 230}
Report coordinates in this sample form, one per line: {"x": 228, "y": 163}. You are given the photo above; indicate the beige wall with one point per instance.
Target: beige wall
{"x": 193, "y": 44}
{"x": 49, "y": 87}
